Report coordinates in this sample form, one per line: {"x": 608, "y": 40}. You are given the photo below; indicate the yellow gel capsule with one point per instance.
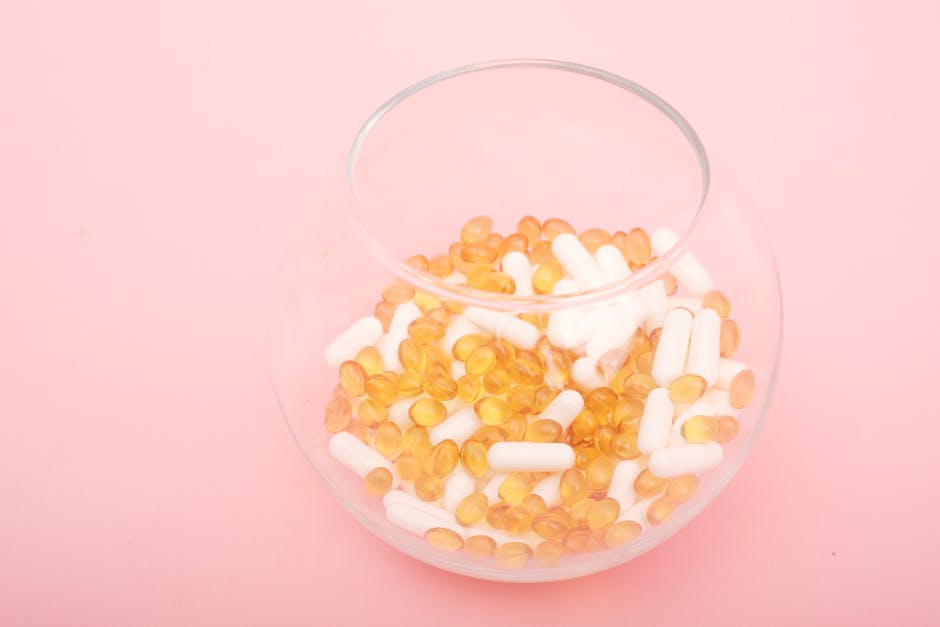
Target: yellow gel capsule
{"x": 516, "y": 427}
{"x": 527, "y": 372}
{"x": 534, "y": 504}
{"x": 480, "y": 254}
{"x": 372, "y": 412}
{"x": 513, "y": 554}
{"x": 553, "y": 227}
{"x": 603, "y": 438}
{"x": 441, "y": 386}
{"x": 584, "y": 454}
{"x": 440, "y": 266}
{"x": 682, "y": 488}
{"x": 382, "y": 389}
{"x": 371, "y": 360}
{"x": 352, "y": 378}
{"x": 427, "y": 412}
{"x": 469, "y": 388}
{"x": 624, "y": 445}
{"x": 687, "y": 388}
{"x": 408, "y": 467}
{"x": 579, "y": 512}
{"x": 426, "y": 301}
{"x": 717, "y": 301}
{"x": 627, "y": 411}
{"x": 492, "y": 410}
{"x": 476, "y": 229}
{"x": 516, "y": 486}
{"x": 480, "y": 546}
{"x": 338, "y": 415}
{"x": 576, "y": 541}
{"x": 356, "y": 428}
{"x": 473, "y": 458}
{"x": 592, "y": 239}
{"x": 531, "y": 228}
{"x": 600, "y": 471}
{"x": 546, "y": 275}
{"x": 741, "y": 390}
{"x": 397, "y": 293}
{"x": 415, "y": 440}
{"x": 516, "y": 521}
{"x": 496, "y": 381}
{"x": 428, "y": 487}
{"x": 418, "y": 262}
{"x": 444, "y": 539}
{"x": 638, "y": 386}
{"x": 494, "y": 515}
{"x": 584, "y": 424}
{"x": 444, "y": 458}
{"x": 514, "y": 243}
{"x": 622, "y": 533}
{"x": 481, "y": 360}
{"x": 378, "y": 481}
{"x": 489, "y": 281}
{"x": 551, "y": 525}
{"x": 549, "y": 552}
{"x": 410, "y": 384}
{"x": 700, "y": 428}
{"x": 637, "y": 247}
{"x": 472, "y": 509}
{"x": 573, "y": 486}
{"x": 603, "y": 513}
{"x": 489, "y": 435}
{"x": 729, "y": 338}
{"x": 543, "y": 396}
{"x": 543, "y": 430}
{"x": 541, "y": 253}
{"x": 647, "y": 484}
{"x": 426, "y": 330}
{"x": 522, "y": 400}
{"x": 466, "y": 344}
{"x": 601, "y": 401}
{"x": 384, "y": 311}
{"x": 670, "y": 283}
{"x": 644, "y": 362}
{"x": 387, "y": 439}
{"x": 660, "y": 510}
{"x": 727, "y": 429}
{"x": 413, "y": 357}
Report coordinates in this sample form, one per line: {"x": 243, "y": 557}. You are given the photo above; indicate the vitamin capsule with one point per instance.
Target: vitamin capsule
{"x": 673, "y": 347}
{"x": 410, "y": 384}
{"x": 387, "y": 439}
{"x": 494, "y": 515}
{"x": 472, "y": 509}
{"x": 384, "y": 312}
{"x": 717, "y": 301}
{"x": 656, "y": 423}
{"x": 505, "y": 325}
{"x": 549, "y": 552}
{"x": 419, "y": 521}
{"x": 649, "y": 485}
{"x": 727, "y": 429}
{"x": 600, "y": 471}
{"x": 496, "y": 381}
{"x": 427, "y": 412}
{"x": 544, "y": 430}
{"x": 551, "y": 525}
{"x": 469, "y": 388}
{"x": 405, "y": 314}
{"x": 534, "y": 505}
{"x": 621, "y": 483}
{"x": 493, "y": 410}
{"x": 546, "y": 276}
{"x": 457, "y": 427}
{"x": 593, "y": 239}
{"x": 515, "y": 427}
{"x": 353, "y": 453}
{"x": 398, "y": 293}
{"x": 418, "y": 262}
{"x": 378, "y": 481}
{"x": 408, "y": 466}
{"x": 516, "y": 521}
{"x": 612, "y": 328}
{"x": 473, "y": 458}
{"x": 730, "y": 337}
{"x": 698, "y": 429}
{"x": 660, "y": 510}
{"x": 457, "y": 486}
{"x": 602, "y": 513}
{"x": 622, "y": 533}
{"x": 544, "y": 395}
{"x": 440, "y": 266}
{"x": 371, "y": 360}
{"x": 371, "y": 412}
{"x": 687, "y": 270}
{"x": 460, "y": 328}
{"x": 686, "y": 459}
{"x": 413, "y": 357}
{"x": 698, "y": 408}
{"x": 577, "y": 261}
{"x": 541, "y": 253}
{"x": 564, "y": 408}
{"x": 480, "y": 546}
{"x": 426, "y": 330}
{"x": 577, "y": 541}
{"x": 741, "y": 390}
{"x": 428, "y": 487}
{"x": 682, "y": 488}
{"x": 637, "y": 248}
{"x": 513, "y": 554}
{"x": 531, "y": 228}
{"x": 381, "y": 389}
{"x": 573, "y": 486}
{"x": 612, "y": 264}
{"x": 444, "y": 539}
{"x": 628, "y": 410}
{"x": 624, "y": 445}
{"x": 476, "y": 230}
{"x": 516, "y": 486}
{"x": 444, "y": 458}
{"x": 687, "y": 388}
{"x": 532, "y": 456}
{"x": 338, "y": 415}
{"x": 704, "y": 350}
{"x": 440, "y": 385}
{"x": 639, "y": 386}
{"x": 488, "y": 435}
{"x": 490, "y": 281}
{"x": 516, "y": 265}
{"x": 515, "y": 243}
{"x": 644, "y": 363}
{"x": 364, "y": 332}
{"x": 553, "y": 227}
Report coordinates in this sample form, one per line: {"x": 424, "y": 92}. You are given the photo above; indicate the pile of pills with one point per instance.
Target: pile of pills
{"x": 536, "y": 435}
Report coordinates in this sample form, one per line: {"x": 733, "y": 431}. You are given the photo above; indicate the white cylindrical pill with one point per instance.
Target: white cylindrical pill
{"x": 506, "y": 325}
{"x": 719, "y": 400}
{"x": 637, "y": 513}
{"x": 398, "y": 413}
{"x": 491, "y": 489}
{"x": 687, "y": 459}
{"x": 399, "y": 496}
{"x": 692, "y": 303}
{"x": 418, "y": 521}
{"x": 549, "y": 489}
{"x": 564, "y": 408}
{"x": 567, "y": 328}
{"x": 669, "y": 359}
{"x": 405, "y": 314}
{"x": 705, "y": 347}
{"x": 728, "y": 369}
{"x": 612, "y": 264}
{"x": 689, "y": 272}
{"x": 364, "y": 332}
{"x": 356, "y": 455}
{"x": 698, "y": 408}
{"x": 656, "y": 421}
{"x": 457, "y": 427}
{"x": 653, "y": 322}
{"x": 577, "y": 261}
{"x": 621, "y": 483}
{"x": 457, "y": 369}
{"x": 651, "y": 300}
{"x": 584, "y": 372}
{"x": 530, "y": 456}
{"x": 612, "y": 327}
{"x": 516, "y": 264}
{"x": 457, "y": 486}
{"x": 459, "y": 326}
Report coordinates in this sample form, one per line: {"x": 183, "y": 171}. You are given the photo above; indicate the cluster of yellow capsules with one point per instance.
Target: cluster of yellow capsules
{"x": 432, "y": 395}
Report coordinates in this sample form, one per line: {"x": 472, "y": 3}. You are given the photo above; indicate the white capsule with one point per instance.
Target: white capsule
{"x": 405, "y": 314}
{"x": 564, "y": 408}
{"x": 457, "y": 369}
{"x": 637, "y": 513}
{"x": 692, "y": 303}
{"x": 530, "y": 456}
{"x": 651, "y": 300}
{"x": 506, "y": 325}
{"x": 419, "y": 521}
{"x": 621, "y": 483}
{"x": 584, "y": 372}
{"x": 705, "y": 348}
{"x": 688, "y": 271}
{"x": 400, "y": 497}
{"x": 364, "y": 332}
{"x": 356, "y": 455}
{"x": 457, "y": 427}
{"x": 719, "y": 400}
{"x": 698, "y": 408}
{"x": 612, "y": 327}
{"x": 491, "y": 489}
{"x": 516, "y": 265}
{"x": 656, "y": 421}
{"x": 458, "y": 327}
{"x": 398, "y": 413}
{"x": 457, "y": 486}
{"x": 673, "y": 347}
{"x": 549, "y": 489}
{"x": 653, "y": 322}
{"x": 571, "y": 327}
{"x": 577, "y": 261}
{"x": 687, "y": 459}
{"x": 728, "y": 369}
{"x": 612, "y": 264}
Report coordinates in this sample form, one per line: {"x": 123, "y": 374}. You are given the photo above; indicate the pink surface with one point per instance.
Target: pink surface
{"x": 160, "y": 164}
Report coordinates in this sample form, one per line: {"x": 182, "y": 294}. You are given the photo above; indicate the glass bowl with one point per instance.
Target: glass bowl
{"x": 555, "y": 269}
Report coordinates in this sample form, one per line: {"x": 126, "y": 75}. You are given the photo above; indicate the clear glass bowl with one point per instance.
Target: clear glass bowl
{"x": 508, "y": 139}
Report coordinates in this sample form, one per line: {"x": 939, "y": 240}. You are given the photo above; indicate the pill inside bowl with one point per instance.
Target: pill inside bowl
{"x": 526, "y": 437}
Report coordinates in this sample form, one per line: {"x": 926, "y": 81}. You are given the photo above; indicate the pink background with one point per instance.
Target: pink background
{"x": 160, "y": 165}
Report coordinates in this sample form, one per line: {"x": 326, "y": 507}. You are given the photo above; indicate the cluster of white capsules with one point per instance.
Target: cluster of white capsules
{"x": 517, "y": 435}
